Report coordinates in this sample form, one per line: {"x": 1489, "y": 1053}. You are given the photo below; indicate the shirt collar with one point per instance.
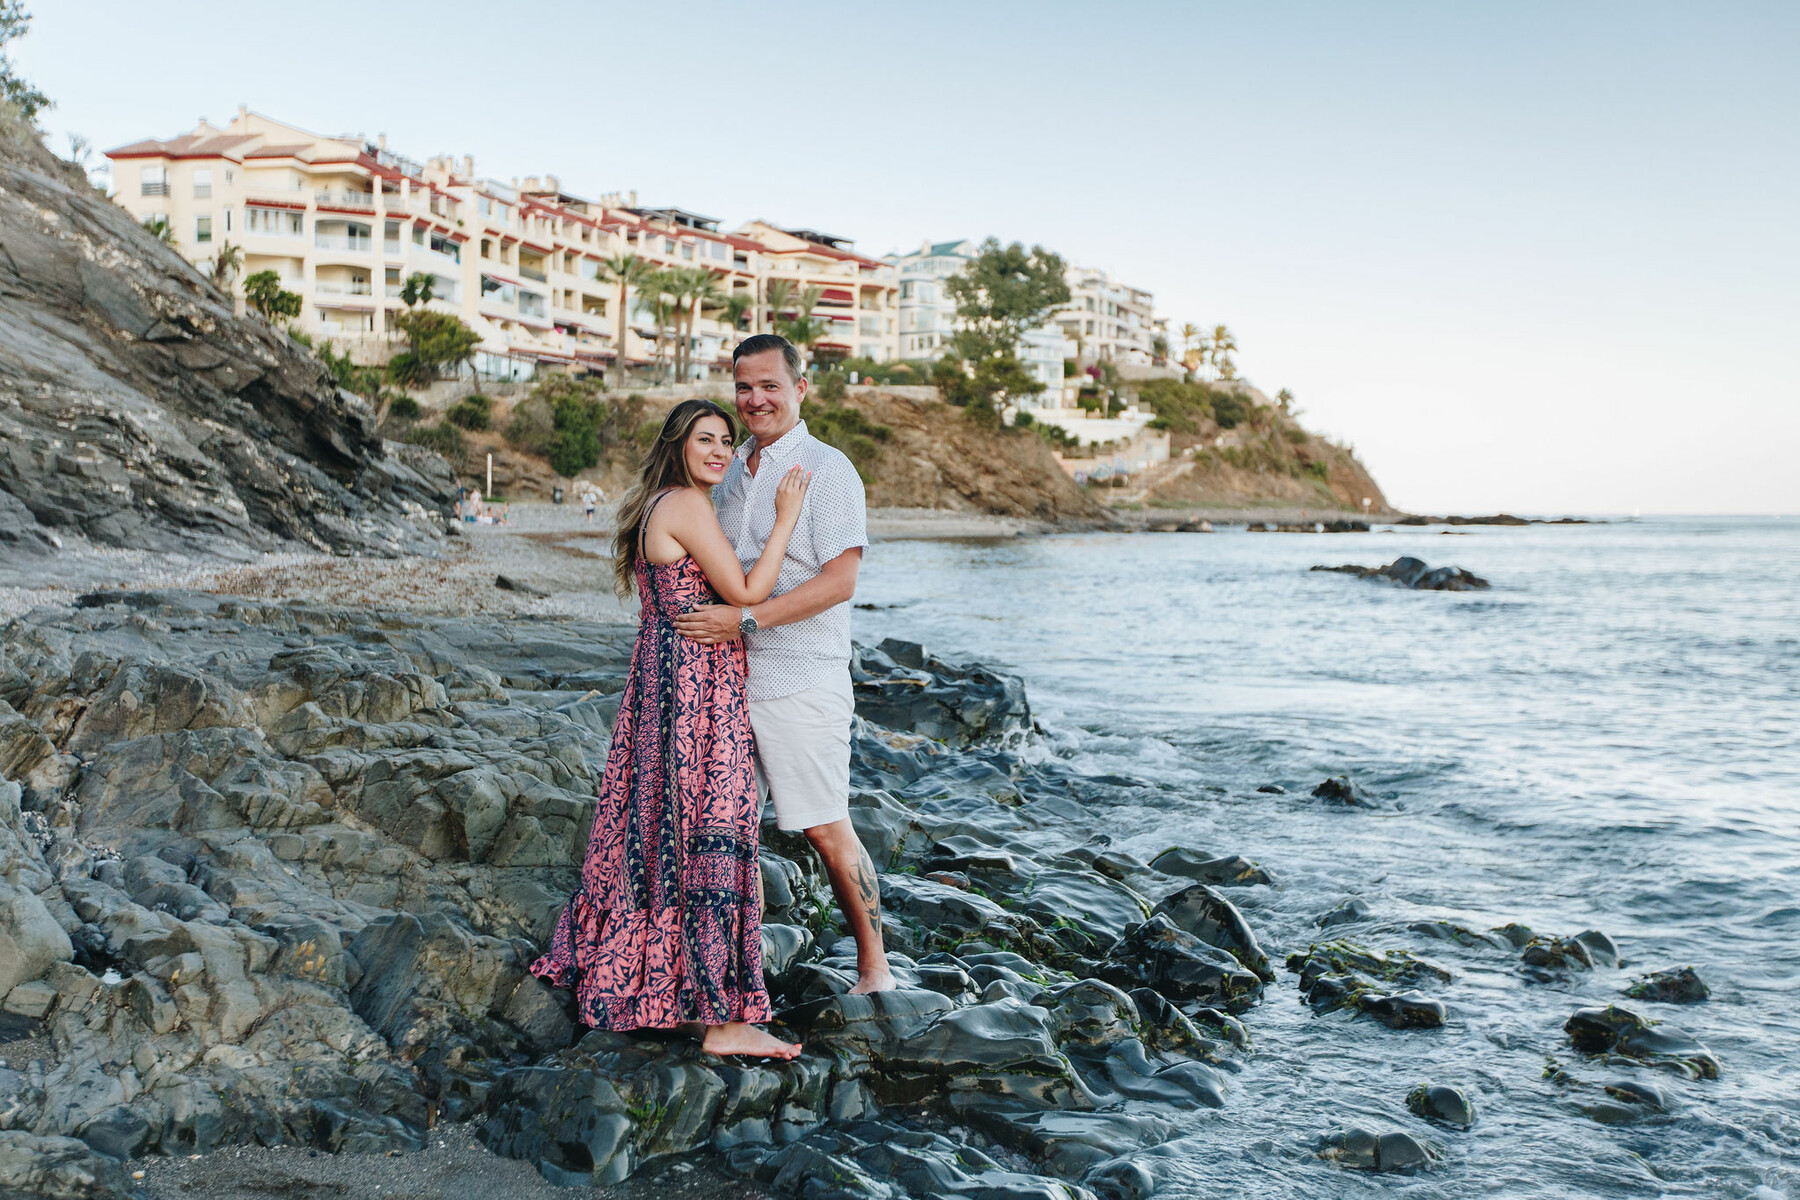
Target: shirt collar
{"x": 786, "y": 446}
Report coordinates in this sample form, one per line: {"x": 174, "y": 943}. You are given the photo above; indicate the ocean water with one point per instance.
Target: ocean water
{"x": 1607, "y": 739}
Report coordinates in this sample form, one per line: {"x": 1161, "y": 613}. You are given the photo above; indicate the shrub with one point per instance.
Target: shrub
{"x": 404, "y": 408}
{"x": 833, "y": 386}
{"x": 1179, "y": 403}
{"x": 1319, "y": 470}
{"x": 1296, "y": 435}
{"x": 1230, "y": 409}
{"x": 443, "y": 437}
{"x": 473, "y": 412}
{"x": 850, "y": 431}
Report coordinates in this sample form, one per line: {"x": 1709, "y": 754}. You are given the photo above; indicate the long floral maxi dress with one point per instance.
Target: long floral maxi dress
{"x": 666, "y": 925}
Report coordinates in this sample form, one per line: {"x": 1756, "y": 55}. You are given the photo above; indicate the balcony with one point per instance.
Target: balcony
{"x": 338, "y": 241}
{"x": 362, "y": 201}
{"x": 534, "y": 273}
{"x": 342, "y": 287}
{"x": 153, "y": 189}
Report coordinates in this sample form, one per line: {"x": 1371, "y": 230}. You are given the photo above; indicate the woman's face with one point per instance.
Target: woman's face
{"x": 708, "y": 451}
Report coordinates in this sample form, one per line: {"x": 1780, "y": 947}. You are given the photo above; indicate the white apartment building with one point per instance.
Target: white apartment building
{"x": 343, "y": 222}
{"x": 928, "y": 315}
{"x": 1107, "y": 321}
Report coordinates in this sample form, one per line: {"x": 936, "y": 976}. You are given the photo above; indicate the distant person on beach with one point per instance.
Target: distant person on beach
{"x": 664, "y": 930}
{"x": 798, "y": 641}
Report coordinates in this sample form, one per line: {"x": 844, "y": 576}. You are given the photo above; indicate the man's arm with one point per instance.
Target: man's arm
{"x": 834, "y": 584}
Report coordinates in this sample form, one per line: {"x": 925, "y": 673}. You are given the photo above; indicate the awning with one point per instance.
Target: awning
{"x": 500, "y": 279}
{"x": 836, "y": 296}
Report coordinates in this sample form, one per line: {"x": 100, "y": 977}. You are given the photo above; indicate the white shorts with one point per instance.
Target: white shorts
{"x": 803, "y": 754}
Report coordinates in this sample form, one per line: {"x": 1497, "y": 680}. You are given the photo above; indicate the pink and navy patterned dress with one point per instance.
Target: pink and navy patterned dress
{"x": 666, "y": 925}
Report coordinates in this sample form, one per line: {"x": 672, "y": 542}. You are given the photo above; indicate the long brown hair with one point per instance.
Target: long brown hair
{"x": 665, "y": 466}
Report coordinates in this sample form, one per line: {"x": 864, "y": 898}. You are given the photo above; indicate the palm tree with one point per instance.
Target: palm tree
{"x": 776, "y": 297}
{"x": 732, "y": 309}
{"x": 160, "y": 229}
{"x": 702, "y": 291}
{"x": 226, "y": 264}
{"x": 628, "y": 271}
{"x": 1192, "y": 343}
{"x": 804, "y": 330}
{"x": 1223, "y": 343}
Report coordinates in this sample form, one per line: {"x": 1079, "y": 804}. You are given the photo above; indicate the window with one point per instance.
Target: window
{"x": 443, "y": 245}
{"x": 487, "y": 248}
{"x": 228, "y": 220}
{"x": 718, "y": 250}
{"x": 390, "y": 237}
{"x": 203, "y": 229}
{"x": 418, "y": 235}
{"x": 668, "y": 246}
{"x": 229, "y": 177}
{"x": 281, "y": 222}
{"x": 687, "y": 250}
{"x": 202, "y": 183}
{"x": 589, "y": 269}
{"x": 154, "y": 182}
{"x": 531, "y": 304}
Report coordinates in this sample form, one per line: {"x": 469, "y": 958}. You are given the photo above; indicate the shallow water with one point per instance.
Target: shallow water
{"x": 1609, "y": 738}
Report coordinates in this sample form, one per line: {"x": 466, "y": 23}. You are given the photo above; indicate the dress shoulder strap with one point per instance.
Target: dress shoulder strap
{"x": 644, "y": 525}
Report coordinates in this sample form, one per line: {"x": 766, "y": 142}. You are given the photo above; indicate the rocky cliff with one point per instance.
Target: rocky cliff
{"x": 136, "y": 410}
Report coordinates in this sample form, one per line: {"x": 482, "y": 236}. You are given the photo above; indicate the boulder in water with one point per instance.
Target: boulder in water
{"x": 1442, "y": 1105}
{"x": 1672, "y": 985}
{"x": 1414, "y": 573}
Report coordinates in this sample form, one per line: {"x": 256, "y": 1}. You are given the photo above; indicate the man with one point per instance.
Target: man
{"x": 798, "y": 640}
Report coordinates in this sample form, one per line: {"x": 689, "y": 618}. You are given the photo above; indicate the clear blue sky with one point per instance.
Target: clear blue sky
{"x": 1542, "y": 257}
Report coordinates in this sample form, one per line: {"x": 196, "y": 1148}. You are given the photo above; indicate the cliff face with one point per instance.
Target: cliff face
{"x": 934, "y": 457}
{"x": 136, "y": 410}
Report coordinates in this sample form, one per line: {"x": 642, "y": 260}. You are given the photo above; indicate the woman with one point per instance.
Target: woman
{"x": 665, "y": 929}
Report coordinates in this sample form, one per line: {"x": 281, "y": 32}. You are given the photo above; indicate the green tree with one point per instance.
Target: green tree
{"x": 436, "y": 343}
{"x": 626, "y": 270}
{"x": 981, "y": 388}
{"x": 14, "y": 21}
{"x": 226, "y": 264}
{"x": 803, "y": 329}
{"x": 656, "y": 299}
{"x": 1284, "y": 400}
{"x": 701, "y": 290}
{"x": 1223, "y": 346}
{"x": 160, "y": 229}
{"x": 417, "y": 289}
{"x": 1001, "y": 293}
{"x": 1159, "y": 347}
{"x": 732, "y": 310}
{"x": 264, "y": 293}
{"x": 473, "y": 412}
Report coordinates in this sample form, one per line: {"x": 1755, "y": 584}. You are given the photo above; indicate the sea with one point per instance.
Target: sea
{"x": 1607, "y": 738}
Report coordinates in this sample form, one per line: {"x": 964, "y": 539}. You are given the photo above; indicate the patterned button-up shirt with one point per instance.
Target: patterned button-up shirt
{"x": 814, "y": 652}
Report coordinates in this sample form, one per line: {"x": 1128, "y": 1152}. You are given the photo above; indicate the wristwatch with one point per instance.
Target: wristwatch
{"x": 746, "y": 622}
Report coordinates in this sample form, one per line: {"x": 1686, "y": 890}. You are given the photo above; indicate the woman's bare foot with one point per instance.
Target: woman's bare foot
{"x": 735, "y": 1037}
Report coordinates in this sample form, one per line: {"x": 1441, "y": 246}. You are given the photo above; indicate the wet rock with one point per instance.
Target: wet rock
{"x": 1617, "y": 1030}
{"x": 1347, "y": 913}
{"x": 1442, "y": 1105}
{"x": 1409, "y": 572}
{"x": 901, "y": 686}
{"x": 1073, "y": 1143}
{"x": 1405, "y": 1010}
{"x": 1229, "y": 871}
{"x": 1272, "y": 789}
{"x": 1625, "y": 1101}
{"x": 1213, "y": 919}
{"x": 1157, "y": 955}
{"x": 1342, "y": 790}
{"x": 1672, "y": 985}
{"x": 1344, "y": 975}
{"x": 1367, "y": 1150}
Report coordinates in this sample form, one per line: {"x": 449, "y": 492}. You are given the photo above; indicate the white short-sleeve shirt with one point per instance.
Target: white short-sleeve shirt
{"x": 814, "y": 652}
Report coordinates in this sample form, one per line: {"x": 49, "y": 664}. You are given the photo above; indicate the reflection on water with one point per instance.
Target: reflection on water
{"x": 1610, "y": 739}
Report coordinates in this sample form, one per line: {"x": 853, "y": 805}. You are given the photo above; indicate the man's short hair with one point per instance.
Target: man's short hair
{"x": 762, "y": 343}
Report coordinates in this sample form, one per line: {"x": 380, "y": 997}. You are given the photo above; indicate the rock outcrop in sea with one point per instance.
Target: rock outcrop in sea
{"x": 273, "y": 873}
{"x": 1410, "y": 572}
{"x": 137, "y": 411}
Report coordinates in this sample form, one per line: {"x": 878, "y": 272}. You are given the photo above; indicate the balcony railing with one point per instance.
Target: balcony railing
{"x": 333, "y": 287}
{"x": 362, "y": 200}
{"x": 534, "y": 273}
{"x": 334, "y": 241}
{"x": 153, "y": 189}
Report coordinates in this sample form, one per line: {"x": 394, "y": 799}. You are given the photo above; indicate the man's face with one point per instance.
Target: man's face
{"x": 768, "y": 398}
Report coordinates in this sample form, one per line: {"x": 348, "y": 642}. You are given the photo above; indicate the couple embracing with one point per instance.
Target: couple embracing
{"x": 745, "y": 561}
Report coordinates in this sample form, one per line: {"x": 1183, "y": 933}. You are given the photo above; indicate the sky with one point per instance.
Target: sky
{"x": 1542, "y": 258}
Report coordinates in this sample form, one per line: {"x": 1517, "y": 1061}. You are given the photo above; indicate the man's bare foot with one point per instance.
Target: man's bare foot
{"x": 873, "y": 981}
{"x": 736, "y": 1037}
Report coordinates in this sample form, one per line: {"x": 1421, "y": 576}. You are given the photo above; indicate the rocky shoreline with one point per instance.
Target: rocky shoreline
{"x": 272, "y": 873}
